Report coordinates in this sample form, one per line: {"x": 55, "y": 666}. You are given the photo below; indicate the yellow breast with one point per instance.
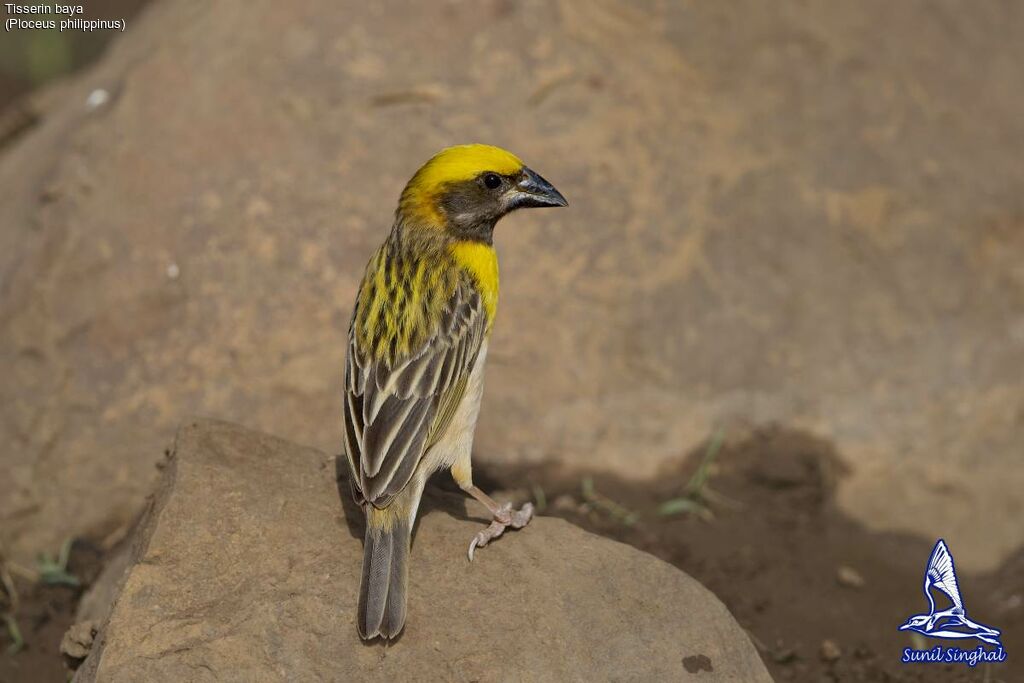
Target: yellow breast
{"x": 481, "y": 261}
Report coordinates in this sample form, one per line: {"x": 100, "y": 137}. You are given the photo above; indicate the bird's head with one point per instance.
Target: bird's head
{"x": 915, "y": 622}
{"x": 464, "y": 190}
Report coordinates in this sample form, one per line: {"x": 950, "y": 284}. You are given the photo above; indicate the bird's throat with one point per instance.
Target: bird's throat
{"x": 481, "y": 262}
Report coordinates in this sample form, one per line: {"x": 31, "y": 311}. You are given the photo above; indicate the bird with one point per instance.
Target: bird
{"x": 414, "y": 369}
{"x": 941, "y": 575}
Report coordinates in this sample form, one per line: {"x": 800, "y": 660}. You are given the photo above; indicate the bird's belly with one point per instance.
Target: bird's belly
{"x": 457, "y": 443}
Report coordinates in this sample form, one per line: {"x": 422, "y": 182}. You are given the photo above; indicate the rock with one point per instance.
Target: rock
{"x": 753, "y": 233}
{"x": 78, "y": 640}
{"x": 697, "y": 663}
{"x": 247, "y": 569}
{"x": 830, "y": 651}
{"x": 565, "y": 503}
{"x": 849, "y": 577}
{"x": 97, "y": 600}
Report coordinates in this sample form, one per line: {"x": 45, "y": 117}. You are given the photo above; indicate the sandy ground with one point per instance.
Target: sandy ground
{"x": 820, "y": 594}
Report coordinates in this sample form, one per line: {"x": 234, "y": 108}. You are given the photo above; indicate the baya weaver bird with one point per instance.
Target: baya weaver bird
{"x": 415, "y": 367}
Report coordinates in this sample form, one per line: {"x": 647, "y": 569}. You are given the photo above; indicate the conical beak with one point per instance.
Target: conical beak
{"x": 533, "y": 191}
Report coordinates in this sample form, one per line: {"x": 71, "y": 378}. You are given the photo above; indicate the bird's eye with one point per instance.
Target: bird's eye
{"x": 492, "y": 181}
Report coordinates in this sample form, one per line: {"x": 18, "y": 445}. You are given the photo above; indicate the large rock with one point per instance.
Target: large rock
{"x": 247, "y": 569}
{"x": 806, "y": 213}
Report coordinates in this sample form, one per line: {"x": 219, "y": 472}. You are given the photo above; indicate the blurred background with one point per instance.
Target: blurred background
{"x": 796, "y": 225}
{"x": 31, "y": 58}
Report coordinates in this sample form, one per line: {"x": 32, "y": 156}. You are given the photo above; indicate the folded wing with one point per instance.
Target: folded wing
{"x": 396, "y": 410}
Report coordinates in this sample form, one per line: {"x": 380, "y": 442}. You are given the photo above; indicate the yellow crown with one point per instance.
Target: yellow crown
{"x": 453, "y": 165}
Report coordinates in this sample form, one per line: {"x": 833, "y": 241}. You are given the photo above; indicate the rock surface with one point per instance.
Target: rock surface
{"x": 247, "y": 569}
{"x": 779, "y": 211}
{"x": 77, "y": 641}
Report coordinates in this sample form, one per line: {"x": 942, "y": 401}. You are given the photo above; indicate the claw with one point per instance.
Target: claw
{"x": 506, "y": 517}
{"x": 522, "y": 517}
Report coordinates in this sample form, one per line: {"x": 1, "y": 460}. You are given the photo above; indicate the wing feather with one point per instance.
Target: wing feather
{"x": 394, "y": 412}
{"x": 943, "y": 575}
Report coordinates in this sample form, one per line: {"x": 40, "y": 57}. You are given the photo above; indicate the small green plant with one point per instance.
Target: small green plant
{"x": 50, "y": 571}
{"x": 540, "y": 497}
{"x": 53, "y": 571}
{"x": 698, "y": 495}
{"x": 681, "y": 505}
{"x": 9, "y": 605}
{"x": 17, "y": 642}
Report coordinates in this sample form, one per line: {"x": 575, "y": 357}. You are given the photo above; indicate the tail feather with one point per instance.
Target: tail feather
{"x": 385, "y": 574}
